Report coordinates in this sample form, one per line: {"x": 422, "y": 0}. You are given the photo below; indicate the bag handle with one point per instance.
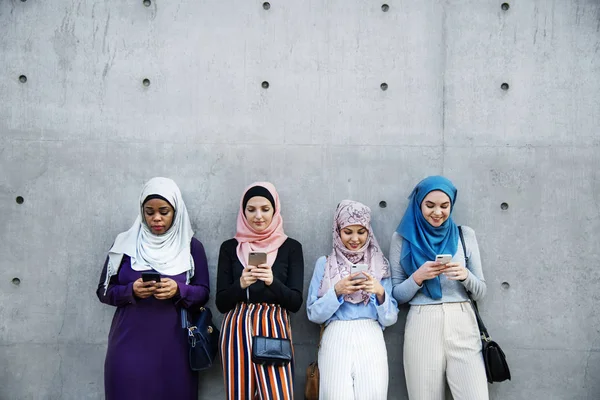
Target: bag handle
{"x": 482, "y": 329}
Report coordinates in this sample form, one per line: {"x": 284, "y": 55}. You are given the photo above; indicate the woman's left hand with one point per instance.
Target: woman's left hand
{"x": 455, "y": 272}
{"x": 263, "y": 273}
{"x": 372, "y": 285}
{"x": 167, "y": 288}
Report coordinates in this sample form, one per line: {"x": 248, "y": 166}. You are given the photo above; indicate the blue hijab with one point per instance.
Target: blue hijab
{"x": 421, "y": 241}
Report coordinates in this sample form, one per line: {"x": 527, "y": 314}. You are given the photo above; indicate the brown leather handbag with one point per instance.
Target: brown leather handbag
{"x": 311, "y": 386}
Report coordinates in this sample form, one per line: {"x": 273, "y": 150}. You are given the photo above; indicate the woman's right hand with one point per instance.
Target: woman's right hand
{"x": 348, "y": 285}
{"x": 143, "y": 289}
{"x": 429, "y": 270}
{"x": 247, "y": 279}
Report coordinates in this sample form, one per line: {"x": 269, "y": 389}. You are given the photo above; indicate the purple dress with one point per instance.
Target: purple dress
{"x": 147, "y": 355}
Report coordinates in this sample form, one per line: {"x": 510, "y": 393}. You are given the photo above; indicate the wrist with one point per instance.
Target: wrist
{"x": 417, "y": 279}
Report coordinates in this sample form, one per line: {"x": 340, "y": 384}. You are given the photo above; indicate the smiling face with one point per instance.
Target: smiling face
{"x": 259, "y": 213}
{"x": 354, "y": 237}
{"x": 158, "y": 215}
{"x": 436, "y": 208}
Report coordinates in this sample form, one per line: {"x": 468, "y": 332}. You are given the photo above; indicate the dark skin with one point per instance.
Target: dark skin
{"x": 158, "y": 215}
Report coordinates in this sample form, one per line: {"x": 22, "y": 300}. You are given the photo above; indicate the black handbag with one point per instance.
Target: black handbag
{"x": 496, "y": 367}
{"x": 203, "y": 338}
{"x": 271, "y": 351}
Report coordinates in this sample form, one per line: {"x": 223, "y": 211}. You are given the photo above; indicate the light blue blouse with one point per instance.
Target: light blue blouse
{"x": 333, "y": 308}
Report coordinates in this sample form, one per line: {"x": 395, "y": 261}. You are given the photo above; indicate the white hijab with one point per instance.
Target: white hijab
{"x": 169, "y": 253}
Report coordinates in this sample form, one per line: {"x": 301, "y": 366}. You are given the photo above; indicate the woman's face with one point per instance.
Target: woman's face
{"x": 436, "y": 207}
{"x": 354, "y": 237}
{"x": 259, "y": 213}
{"x": 158, "y": 215}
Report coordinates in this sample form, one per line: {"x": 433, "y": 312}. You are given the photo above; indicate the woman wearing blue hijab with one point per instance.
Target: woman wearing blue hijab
{"x": 441, "y": 340}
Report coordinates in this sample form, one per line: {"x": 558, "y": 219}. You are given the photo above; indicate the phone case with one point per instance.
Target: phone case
{"x": 359, "y": 268}
{"x": 443, "y": 258}
{"x": 256, "y": 258}
{"x": 150, "y": 276}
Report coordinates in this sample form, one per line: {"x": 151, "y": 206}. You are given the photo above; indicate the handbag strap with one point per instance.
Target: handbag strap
{"x": 482, "y": 329}
{"x": 185, "y": 318}
{"x": 320, "y": 337}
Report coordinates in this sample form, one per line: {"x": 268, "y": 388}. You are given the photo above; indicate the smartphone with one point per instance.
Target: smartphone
{"x": 443, "y": 258}
{"x": 255, "y": 258}
{"x": 359, "y": 268}
{"x": 148, "y": 276}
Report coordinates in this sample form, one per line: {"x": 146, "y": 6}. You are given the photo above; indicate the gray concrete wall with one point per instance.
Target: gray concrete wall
{"x": 82, "y": 134}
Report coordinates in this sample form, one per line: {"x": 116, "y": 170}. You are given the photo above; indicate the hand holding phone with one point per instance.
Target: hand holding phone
{"x": 351, "y": 284}
{"x": 143, "y": 287}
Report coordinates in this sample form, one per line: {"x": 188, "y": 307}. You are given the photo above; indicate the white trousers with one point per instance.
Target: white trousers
{"x": 442, "y": 342}
{"x": 353, "y": 361}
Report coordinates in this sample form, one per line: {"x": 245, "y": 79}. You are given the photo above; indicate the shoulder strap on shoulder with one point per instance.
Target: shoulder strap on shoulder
{"x": 462, "y": 241}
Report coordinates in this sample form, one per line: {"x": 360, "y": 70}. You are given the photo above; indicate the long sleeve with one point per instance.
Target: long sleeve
{"x": 320, "y": 309}
{"x": 387, "y": 313}
{"x": 404, "y": 286}
{"x": 116, "y": 295}
{"x": 229, "y": 289}
{"x": 196, "y": 293}
{"x": 285, "y": 290}
{"x": 289, "y": 293}
{"x": 331, "y": 307}
{"x": 475, "y": 282}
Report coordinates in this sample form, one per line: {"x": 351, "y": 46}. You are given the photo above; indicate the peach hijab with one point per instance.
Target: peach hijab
{"x": 267, "y": 241}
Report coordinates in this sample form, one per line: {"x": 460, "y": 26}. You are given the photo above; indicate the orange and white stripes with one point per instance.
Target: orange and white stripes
{"x": 245, "y": 380}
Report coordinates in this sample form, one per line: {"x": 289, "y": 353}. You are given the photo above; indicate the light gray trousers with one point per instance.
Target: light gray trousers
{"x": 441, "y": 342}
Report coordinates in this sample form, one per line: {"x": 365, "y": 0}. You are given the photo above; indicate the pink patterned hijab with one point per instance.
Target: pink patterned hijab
{"x": 267, "y": 241}
{"x": 339, "y": 261}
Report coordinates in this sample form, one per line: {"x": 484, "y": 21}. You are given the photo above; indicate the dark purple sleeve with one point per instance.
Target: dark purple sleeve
{"x": 195, "y": 294}
{"x": 117, "y": 295}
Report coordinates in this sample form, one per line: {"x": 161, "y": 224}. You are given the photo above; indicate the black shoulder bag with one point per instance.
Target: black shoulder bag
{"x": 496, "y": 367}
{"x": 203, "y": 337}
{"x": 267, "y": 350}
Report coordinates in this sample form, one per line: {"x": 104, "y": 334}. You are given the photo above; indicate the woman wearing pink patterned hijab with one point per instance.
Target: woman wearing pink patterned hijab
{"x": 259, "y": 281}
{"x": 350, "y": 293}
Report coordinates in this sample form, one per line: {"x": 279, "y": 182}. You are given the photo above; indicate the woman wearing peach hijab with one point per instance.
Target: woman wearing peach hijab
{"x": 256, "y": 295}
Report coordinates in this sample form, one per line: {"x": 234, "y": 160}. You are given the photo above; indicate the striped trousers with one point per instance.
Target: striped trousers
{"x": 441, "y": 342}
{"x": 245, "y": 380}
{"x": 353, "y": 361}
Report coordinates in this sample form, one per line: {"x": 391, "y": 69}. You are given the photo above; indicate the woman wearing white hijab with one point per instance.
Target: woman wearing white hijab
{"x": 147, "y": 356}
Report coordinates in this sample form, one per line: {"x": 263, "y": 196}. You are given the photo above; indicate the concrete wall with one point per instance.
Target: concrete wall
{"x": 82, "y": 134}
